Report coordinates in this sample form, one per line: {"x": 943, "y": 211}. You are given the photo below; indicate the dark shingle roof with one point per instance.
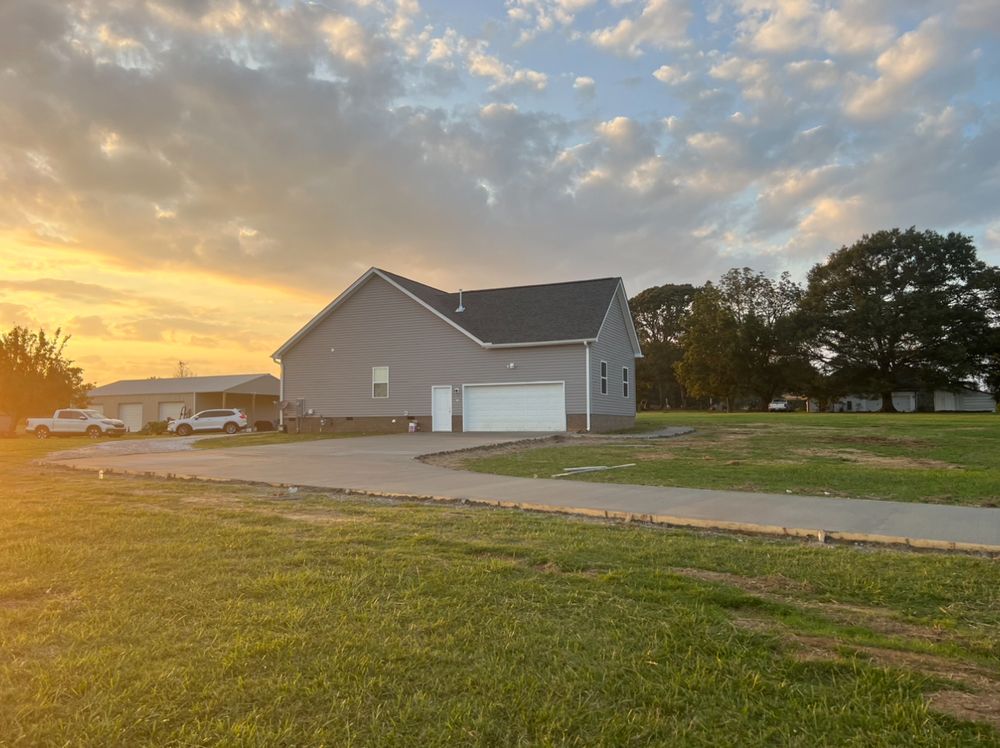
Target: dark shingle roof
{"x": 523, "y": 314}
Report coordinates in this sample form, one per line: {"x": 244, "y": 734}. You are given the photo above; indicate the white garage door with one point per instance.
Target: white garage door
{"x": 131, "y": 414}
{"x": 170, "y": 410}
{"x": 533, "y": 406}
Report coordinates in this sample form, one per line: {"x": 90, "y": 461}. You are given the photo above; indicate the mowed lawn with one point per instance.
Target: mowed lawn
{"x": 145, "y": 611}
{"x": 933, "y": 457}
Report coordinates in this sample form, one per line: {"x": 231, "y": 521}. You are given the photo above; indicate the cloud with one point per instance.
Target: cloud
{"x": 911, "y": 57}
{"x": 503, "y": 75}
{"x": 671, "y": 75}
{"x": 542, "y": 16}
{"x": 16, "y": 314}
{"x": 69, "y": 290}
{"x": 585, "y": 86}
{"x": 288, "y": 145}
{"x": 346, "y": 38}
{"x": 662, "y": 24}
{"x": 783, "y": 26}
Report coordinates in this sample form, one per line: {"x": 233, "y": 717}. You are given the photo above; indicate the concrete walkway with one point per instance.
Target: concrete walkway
{"x": 386, "y": 466}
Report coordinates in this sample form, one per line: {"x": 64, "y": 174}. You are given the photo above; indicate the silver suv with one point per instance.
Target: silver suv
{"x": 229, "y": 420}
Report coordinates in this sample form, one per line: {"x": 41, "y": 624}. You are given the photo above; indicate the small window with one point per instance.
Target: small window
{"x": 624, "y": 381}
{"x": 70, "y": 414}
{"x": 380, "y": 381}
{"x": 604, "y": 377}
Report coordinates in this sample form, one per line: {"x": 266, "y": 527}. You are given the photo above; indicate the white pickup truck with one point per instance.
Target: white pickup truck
{"x": 75, "y": 422}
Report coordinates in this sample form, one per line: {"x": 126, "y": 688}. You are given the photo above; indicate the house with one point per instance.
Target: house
{"x": 389, "y": 351}
{"x": 139, "y": 401}
{"x": 963, "y": 399}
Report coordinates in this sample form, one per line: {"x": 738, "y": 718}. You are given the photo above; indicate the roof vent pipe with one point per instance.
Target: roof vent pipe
{"x": 461, "y": 307}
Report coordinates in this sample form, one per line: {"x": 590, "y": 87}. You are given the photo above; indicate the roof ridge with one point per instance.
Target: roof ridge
{"x": 178, "y": 379}
{"x": 539, "y": 285}
{"x": 410, "y": 280}
{"x": 196, "y": 376}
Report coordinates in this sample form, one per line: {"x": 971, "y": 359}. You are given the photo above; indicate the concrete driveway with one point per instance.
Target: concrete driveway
{"x": 386, "y": 466}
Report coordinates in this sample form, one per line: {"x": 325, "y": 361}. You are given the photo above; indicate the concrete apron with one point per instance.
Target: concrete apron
{"x": 386, "y": 466}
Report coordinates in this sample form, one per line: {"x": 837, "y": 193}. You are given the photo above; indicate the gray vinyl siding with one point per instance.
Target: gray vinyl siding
{"x": 614, "y": 346}
{"x": 380, "y": 326}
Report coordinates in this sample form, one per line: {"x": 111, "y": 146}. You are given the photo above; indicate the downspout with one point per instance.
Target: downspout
{"x": 281, "y": 394}
{"x": 586, "y": 347}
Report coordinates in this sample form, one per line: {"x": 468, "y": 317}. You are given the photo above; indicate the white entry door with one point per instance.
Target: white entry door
{"x": 441, "y": 408}
{"x": 526, "y": 406}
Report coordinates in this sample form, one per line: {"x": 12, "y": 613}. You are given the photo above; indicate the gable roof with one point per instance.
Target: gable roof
{"x": 549, "y": 313}
{"x": 187, "y": 385}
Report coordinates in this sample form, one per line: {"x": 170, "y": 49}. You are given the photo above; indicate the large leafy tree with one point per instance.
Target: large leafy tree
{"x": 900, "y": 309}
{"x": 35, "y": 375}
{"x": 660, "y": 314}
{"x": 707, "y": 368}
{"x": 990, "y": 352}
{"x": 742, "y": 338}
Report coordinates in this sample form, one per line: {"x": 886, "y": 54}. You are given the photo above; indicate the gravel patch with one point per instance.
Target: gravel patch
{"x": 133, "y": 447}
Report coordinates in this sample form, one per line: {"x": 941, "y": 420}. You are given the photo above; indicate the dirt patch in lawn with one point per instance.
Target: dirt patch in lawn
{"x": 777, "y": 588}
{"x": 878, "y": 441}
{"x": 456, "y": 460}
{"x": 861, "y": 457}
{"x": 976, "y": 697}
{"x": 771, "y": 584}
{"x": 971, "y": 707}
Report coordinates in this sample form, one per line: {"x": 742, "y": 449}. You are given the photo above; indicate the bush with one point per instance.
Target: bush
{"x": 155, "y": 428}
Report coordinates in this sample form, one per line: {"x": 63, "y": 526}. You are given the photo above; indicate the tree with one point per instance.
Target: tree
{"x": 743, "y": 338}
{"x": 990, "y": 350}
{"x": 900, "y": 309}
{"x": 707, "y": 367}
{"x": 35, "y": 376}
{"x": 183, "y": 371}
{"x": 660, "y": 314}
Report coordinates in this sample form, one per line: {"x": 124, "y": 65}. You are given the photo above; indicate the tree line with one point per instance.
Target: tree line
{"x": 896, "y": 310}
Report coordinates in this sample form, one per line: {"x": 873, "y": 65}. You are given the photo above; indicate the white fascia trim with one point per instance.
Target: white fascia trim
{"x": 539, "y": 343}
{"x": 627, "y": 313}
{"x": 515, "y": 384}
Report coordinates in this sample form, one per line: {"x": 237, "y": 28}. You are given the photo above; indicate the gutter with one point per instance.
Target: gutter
{"x": 586, "y": 347}
{"x": 585, "y": 341}
{"x": 281, "y": 391}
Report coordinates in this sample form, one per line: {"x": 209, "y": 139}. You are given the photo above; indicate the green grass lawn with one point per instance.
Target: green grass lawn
{"x": 145, "y": 611}
{"x": 940, "y": 458}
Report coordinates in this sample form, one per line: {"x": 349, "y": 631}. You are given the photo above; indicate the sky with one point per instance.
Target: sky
{"x": 194, "y": 179}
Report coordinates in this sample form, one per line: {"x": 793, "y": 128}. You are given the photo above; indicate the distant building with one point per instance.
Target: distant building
{"x": 964, "y": 400}
{"x": 139, "y": 401}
